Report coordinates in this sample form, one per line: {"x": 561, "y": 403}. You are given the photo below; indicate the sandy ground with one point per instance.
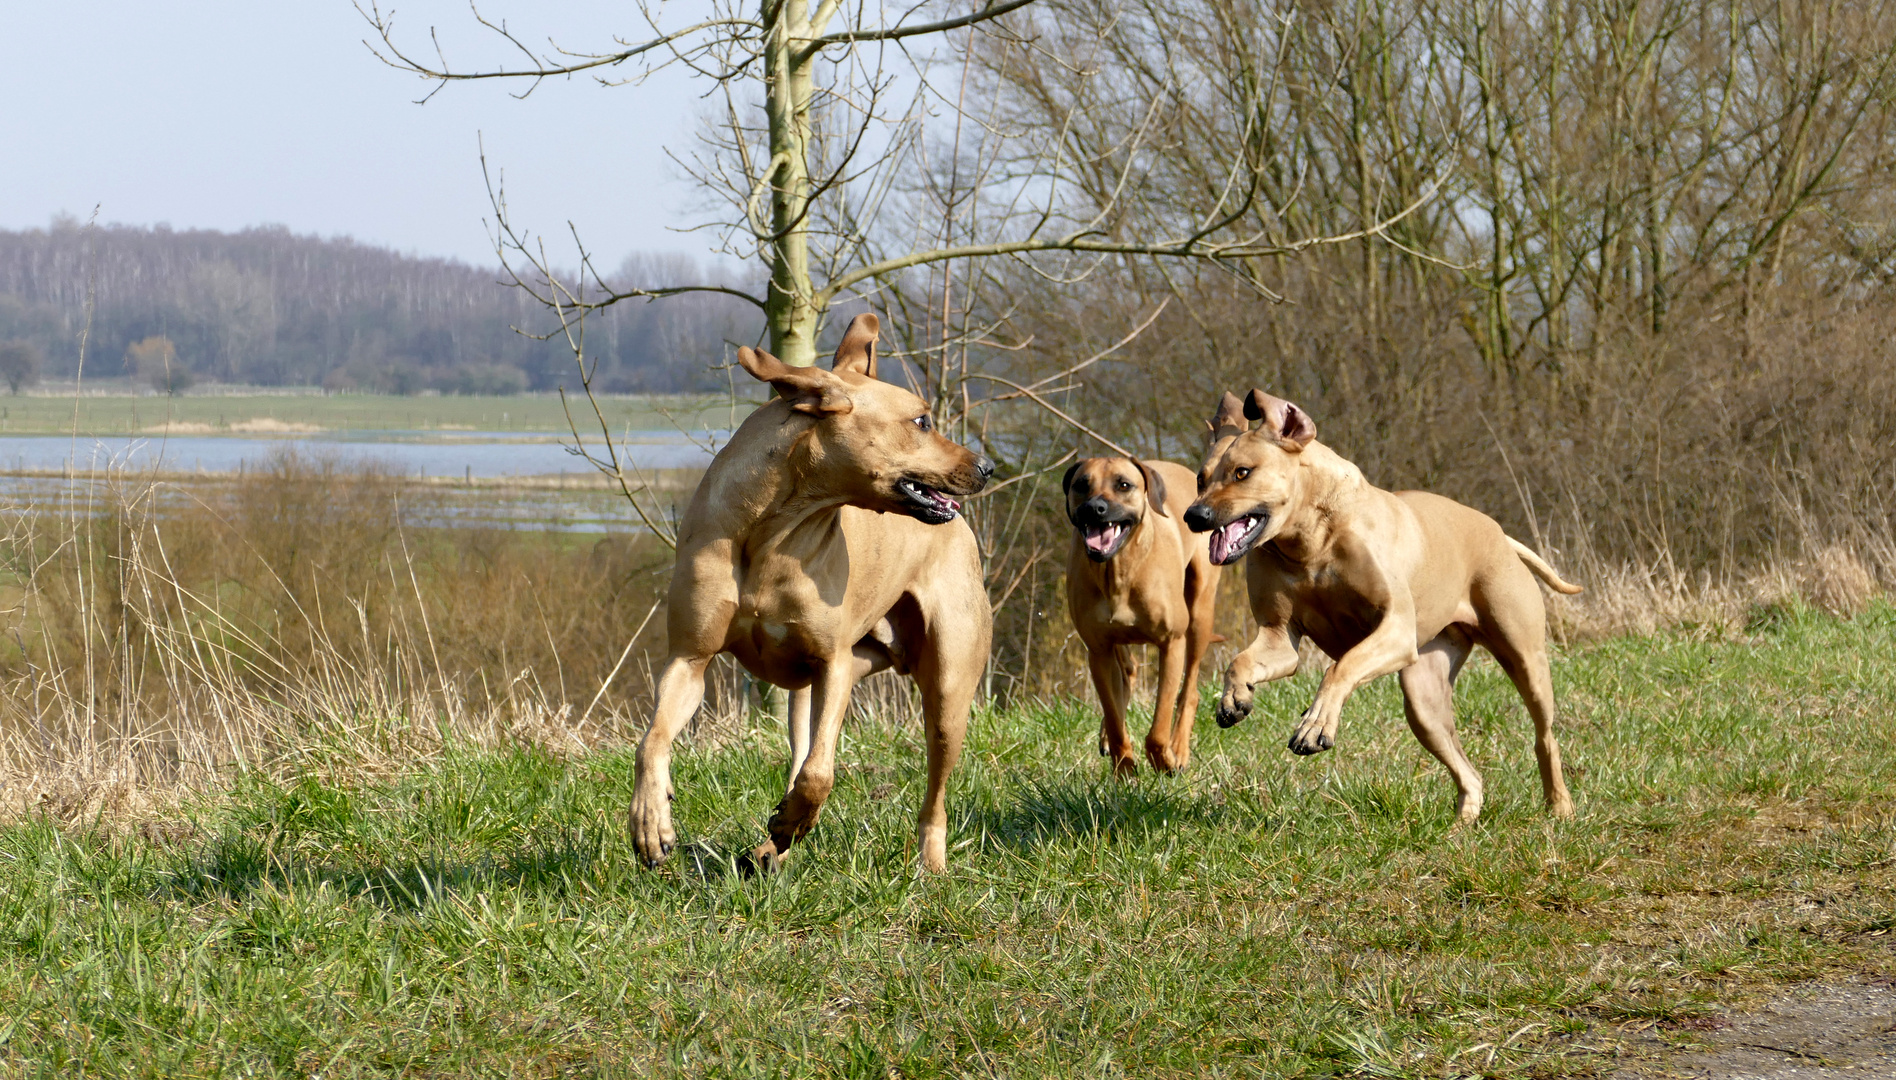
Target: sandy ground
{"x": 263, "y": 425}
{"x": 1817, "y": 1031}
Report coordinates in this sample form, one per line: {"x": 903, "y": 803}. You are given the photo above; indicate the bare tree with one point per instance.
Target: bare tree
{"x": 837, "y": 187}
{"x": 19, "y": 364}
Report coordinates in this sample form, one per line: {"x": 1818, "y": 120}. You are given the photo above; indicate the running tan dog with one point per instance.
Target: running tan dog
{"x": 823, "y": 544}
{"x": 1382, "y": 581}
{"x": 1137, "y": 576}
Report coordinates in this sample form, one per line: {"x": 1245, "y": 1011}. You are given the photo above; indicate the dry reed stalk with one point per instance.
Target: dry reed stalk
{"x": 160, "y": 639}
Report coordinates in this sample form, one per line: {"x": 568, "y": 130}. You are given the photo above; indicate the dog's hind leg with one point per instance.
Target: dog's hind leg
{"x": 810, "y": 786}
{"x": 1532, "y": 678}
{"x": 680, "y": 691}
{"x": 1514, "y": 628}
{"x": 1428, "y": 700}
{"x": 1107, "y": 664}
{"x": 1535, "y": 682}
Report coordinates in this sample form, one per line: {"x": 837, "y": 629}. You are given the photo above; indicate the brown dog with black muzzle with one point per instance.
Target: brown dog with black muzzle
{"x": 1137, "y": 576}
{"x": 1382, "y": 581}
{"x": 825, "y": 543}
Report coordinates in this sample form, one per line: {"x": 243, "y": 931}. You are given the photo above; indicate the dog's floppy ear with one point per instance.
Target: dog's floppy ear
{"x": 807, "y": 389}
{"x": 1155, "y": 487}
{"x": 1290, "y": 426}
{"x": 1229, "y": 420}
{"x": 1066, "y": 482}
{"x": 857, "y": 353}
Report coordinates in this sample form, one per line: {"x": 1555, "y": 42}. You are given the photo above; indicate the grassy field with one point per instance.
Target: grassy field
{"x": 125, "y": 415}
{"x": 482, "y": 914}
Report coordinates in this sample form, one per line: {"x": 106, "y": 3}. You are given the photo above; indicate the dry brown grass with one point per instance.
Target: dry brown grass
{"x": 159, "y": 635}
{"x": 1686, "y": 475}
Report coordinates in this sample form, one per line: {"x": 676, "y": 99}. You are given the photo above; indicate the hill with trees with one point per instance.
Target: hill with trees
{"x": 268, "y": 307}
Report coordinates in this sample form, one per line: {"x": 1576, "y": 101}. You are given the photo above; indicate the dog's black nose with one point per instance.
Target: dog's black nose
{"x": 1092, "y": 511}
{"x": 984, "y": 465}
{"x": 1198, "y": 518}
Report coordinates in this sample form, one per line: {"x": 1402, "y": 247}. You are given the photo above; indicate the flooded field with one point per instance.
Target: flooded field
{"x": 467, "y": 454}
{"x": 487, "y": 479}
{"x": 47, "y": 411}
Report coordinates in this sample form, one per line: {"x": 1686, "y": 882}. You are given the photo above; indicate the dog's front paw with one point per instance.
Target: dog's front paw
{"x": 1311, "y": 736}
{"x": 651, "y": 825}
{"x": 932, "y": 842}
{"x": 1232, "y": 708}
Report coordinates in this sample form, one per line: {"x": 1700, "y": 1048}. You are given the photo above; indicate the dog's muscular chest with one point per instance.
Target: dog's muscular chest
{"x": 1129, "y": 609}
{"x": 781, "y": 607}
{"x": 1331, "y": 613}
{"x": 793, "y": 613}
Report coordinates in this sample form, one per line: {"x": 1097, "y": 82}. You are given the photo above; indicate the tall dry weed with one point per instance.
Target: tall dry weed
{"x": 158, "y": 635}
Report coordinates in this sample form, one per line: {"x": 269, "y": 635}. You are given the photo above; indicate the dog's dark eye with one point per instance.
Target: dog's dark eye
{"x": 1240, "y": 473}
{"x": 1124, "y": 486}
{"x": 924, "y": 422}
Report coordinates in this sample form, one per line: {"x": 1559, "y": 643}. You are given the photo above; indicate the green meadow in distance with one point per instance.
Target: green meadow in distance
{"x": 130, "y": 415}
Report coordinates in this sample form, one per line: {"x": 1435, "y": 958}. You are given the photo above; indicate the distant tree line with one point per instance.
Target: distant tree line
{"x": 267, "y": 307}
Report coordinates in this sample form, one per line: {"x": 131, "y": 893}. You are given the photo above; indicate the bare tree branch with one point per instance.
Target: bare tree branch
{"x": 1055, "y": 410}
{"x": 1189, "y": 247}
{"x": 992, "y": 11}
{"x": 384, "y": 26}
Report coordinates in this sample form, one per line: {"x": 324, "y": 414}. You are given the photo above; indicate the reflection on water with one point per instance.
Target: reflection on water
{"x": 118, "y": 461}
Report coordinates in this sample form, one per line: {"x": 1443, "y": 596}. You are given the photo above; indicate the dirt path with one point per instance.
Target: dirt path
{"x": 1817, "y": 1031}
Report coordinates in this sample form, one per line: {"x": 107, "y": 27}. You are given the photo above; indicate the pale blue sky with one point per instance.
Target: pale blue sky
{"x": 228, "y": 113}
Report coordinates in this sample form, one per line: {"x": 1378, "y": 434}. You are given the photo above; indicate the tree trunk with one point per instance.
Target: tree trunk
{"x": 789, "y": 308}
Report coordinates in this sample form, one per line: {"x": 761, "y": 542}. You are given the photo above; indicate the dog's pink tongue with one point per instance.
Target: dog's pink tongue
{"x": 1227, "y": 538}
{"x": 1101, "y": 539}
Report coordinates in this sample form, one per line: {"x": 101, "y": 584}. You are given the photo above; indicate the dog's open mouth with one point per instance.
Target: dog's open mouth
{"x": 1103, "y": 541}
{"x": 1229, "y": 543}
{"x": 932, "y": 506}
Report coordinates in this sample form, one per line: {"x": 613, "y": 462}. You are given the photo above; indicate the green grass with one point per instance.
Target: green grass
{"x": 1260, "y": 915}
{"x": 29, "y": 415}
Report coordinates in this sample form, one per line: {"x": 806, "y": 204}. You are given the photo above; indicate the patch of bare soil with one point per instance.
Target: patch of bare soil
{"x": 260, "y": 425}
{"x": 1817, "y": 1031}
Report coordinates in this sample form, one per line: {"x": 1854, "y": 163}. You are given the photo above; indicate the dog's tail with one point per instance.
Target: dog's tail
{"x": 1542, "y": 570}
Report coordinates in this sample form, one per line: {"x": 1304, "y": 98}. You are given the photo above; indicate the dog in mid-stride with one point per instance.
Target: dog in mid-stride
{"x": 825, "y": 543}
{"x": 1381, "y": 581}
{"x": 1137, "y": 576}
